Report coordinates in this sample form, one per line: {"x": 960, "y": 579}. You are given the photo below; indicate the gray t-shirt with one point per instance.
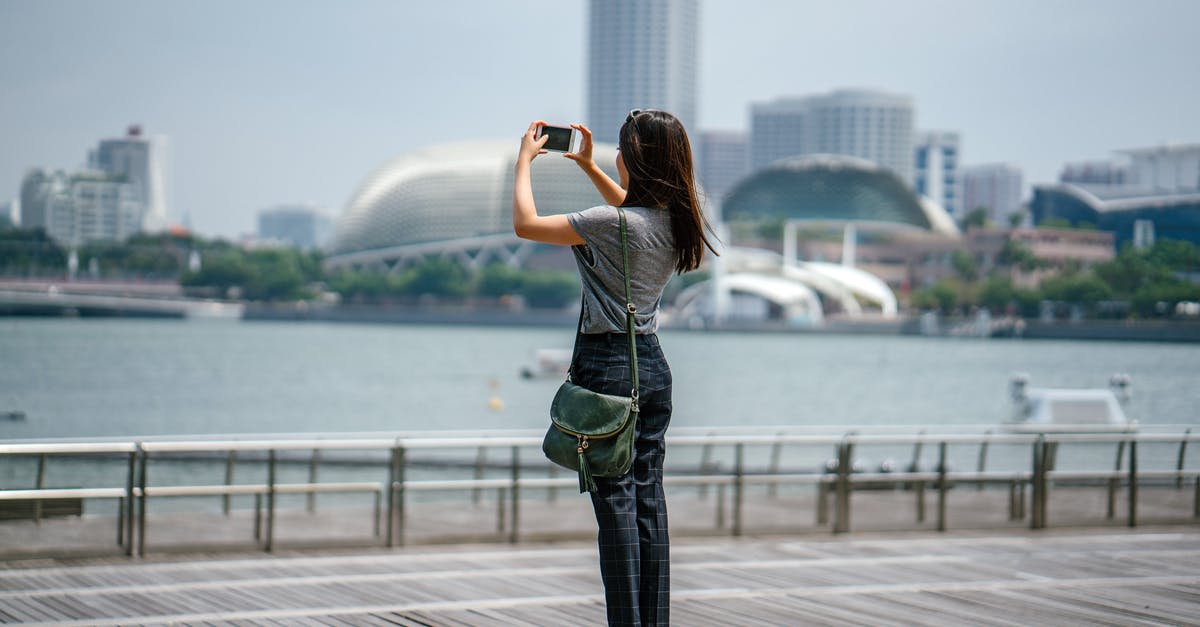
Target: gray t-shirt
{"x": 651, "y": 262}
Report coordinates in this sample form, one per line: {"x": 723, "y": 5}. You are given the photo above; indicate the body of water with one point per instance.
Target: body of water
{"x": 121, "y": 377}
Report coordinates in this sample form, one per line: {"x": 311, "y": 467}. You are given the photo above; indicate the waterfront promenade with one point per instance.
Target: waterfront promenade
{"x": 1100, "y": 577}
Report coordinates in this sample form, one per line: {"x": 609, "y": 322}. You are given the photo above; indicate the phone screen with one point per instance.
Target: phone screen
{"x": 560, "y": 138}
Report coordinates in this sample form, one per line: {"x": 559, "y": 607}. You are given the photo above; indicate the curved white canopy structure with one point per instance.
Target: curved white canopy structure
{"x": 849, "y": 287}
{"x": 799, "y": 303}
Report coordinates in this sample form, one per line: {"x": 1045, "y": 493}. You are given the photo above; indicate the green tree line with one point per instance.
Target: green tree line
{"x": 274, "y": 274}
{"x": 1136, "y": 283}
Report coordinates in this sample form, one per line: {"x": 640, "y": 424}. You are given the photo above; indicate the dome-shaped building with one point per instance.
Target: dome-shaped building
{"x": 455, "y": 199}
{"x": 833, "y": 188}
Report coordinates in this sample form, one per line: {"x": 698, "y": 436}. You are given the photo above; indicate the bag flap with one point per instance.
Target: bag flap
{"x": 581, "y": 411}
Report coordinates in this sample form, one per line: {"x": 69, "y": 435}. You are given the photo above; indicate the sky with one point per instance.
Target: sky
{"x": 274, "y": 102}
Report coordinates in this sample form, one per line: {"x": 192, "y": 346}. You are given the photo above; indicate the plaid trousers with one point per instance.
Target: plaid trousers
{"x": 631, "y": 511}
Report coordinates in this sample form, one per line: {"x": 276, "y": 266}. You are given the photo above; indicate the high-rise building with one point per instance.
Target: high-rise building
{"x": 10, "y": 212}
{"x": 872, "y": 125}
{"x": 305, "y": 226}
{"x": 995, "y": 187}
{"x": 935, "y": 170}
{"x": 641, "y": 55}
{"x": 721, "y": 161}
{"x": 141, "y": 162}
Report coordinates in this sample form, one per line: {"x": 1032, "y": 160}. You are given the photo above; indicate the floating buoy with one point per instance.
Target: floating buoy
{"x": 494, "y": 402}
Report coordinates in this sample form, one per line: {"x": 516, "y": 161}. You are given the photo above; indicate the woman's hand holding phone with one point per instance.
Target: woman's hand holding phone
{"x": 531, "y": 144}
{"x": 583, "y": 156}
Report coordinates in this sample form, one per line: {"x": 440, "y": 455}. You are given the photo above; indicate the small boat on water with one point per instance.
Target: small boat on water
{"x": 14, "y": 416}
{"x": 1088, "y": 410}
{"x": 548, "y": 363}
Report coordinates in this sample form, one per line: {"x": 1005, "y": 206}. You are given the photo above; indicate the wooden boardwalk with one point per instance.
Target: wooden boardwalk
{"x": 1099, "y": 577}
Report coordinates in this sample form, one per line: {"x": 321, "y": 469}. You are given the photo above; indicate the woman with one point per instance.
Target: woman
{"x": 666, "y": 234}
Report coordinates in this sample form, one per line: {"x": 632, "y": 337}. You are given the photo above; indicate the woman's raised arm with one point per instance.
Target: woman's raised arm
{"x": 527, "y": 224}
{"x": 610, "y": 190}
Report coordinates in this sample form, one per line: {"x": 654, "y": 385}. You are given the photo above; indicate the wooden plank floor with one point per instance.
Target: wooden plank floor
{"x": 1099, "y": 577}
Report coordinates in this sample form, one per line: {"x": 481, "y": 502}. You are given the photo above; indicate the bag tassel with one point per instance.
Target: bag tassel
{"x": 586, "y": 484}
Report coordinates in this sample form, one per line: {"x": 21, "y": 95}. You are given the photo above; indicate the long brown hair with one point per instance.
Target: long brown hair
{"x": 658, "y": 158}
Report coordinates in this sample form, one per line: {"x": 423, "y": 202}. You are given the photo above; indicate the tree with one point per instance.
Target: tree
{"x": 964, "y": 264}
{"x": 437, "y": 277}
{"x": 977, "y": 217}
{"x": 1016, "y": 218}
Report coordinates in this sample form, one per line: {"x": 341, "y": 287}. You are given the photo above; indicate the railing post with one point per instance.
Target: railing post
{"x": 143, "y": 457}
{"x": 941, "y": 517}
{"x": 1038, "y": 518}
{"x": 1196, "y": 498}
{"x": 1113, "y": 482}
{"x": 130, "y": 481}
{"x": 982, "y": 463}
{"x": 705, "y": 460}
{"x": 515, "y": 495}
{"x": 269, "y": 545}
{"x": 395, "y": 503}
{"x": 229, "y": 462}
{"x": 312, "y": 479}
{"x": 480, "y": 460}
{"x": 258, "y": 498}
{"x": 822, "y": 501}
{"x": 841, "y": 523}
{"x": 40, "y": 484}
{"x": 1179, "y": 464}
{"x": 739, "y": 484}
{"x": 1133, "y": 483}
{"x": 776, "y": 453}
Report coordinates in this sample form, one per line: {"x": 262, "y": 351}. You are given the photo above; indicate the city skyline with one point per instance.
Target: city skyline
{"x": 257, "y": 119}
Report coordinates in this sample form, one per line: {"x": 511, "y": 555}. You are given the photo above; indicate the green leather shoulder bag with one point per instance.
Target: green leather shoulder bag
{"x": 593, "y": 433}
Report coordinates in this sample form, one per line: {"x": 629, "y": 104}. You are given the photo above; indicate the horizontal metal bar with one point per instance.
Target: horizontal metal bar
{"x": 345, "y": 486}
{"x": 64, "y": 493}
{"x": 1099, "y": 438}
{"x": 67, "y": 448}
{"x": 178, "y": 446}
{"x": 205, "y": 490}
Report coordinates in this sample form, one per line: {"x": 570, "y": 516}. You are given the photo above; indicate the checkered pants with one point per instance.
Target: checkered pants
{"x": 631, "y": 511}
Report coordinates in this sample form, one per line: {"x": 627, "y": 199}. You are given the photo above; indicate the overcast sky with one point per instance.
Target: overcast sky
{"x": 271, "y": 102}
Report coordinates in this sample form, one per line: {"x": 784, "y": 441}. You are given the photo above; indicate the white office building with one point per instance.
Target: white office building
{"x": 1166, "y": 168}
{"x": 141, "y": 162}
{"x": 935, "y": 170}
{"x": 995, "y": 187}
{"x": 642, "y": 54}
{"x": 868, "y": 124}
{"x": 80, "y": 208}
{"x": 722, "y": 159}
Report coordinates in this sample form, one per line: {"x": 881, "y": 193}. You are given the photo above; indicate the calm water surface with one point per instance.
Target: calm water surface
{"x": 135, "y": 377}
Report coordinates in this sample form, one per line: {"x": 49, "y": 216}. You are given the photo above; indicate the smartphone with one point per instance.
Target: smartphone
{"x": 562, "y": 138}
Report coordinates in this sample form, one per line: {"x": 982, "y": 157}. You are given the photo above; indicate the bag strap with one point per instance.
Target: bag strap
{"x": 630, "y": 310}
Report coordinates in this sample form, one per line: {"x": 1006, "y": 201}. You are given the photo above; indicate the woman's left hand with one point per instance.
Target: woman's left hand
{"x": 531, "y": 146}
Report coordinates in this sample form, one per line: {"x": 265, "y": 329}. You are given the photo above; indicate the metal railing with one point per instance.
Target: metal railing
{"x": 527, "y": 470}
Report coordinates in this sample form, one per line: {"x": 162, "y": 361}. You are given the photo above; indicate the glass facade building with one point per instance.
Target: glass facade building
{"x": 305, "y": 226}
{"x": 721, "y": 161}
{"x": 872, "y": 125}
{"x": 641, "y": 54}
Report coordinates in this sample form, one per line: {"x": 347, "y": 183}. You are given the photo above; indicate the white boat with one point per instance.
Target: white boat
{"x": 548, "y": 363}
{"x": 1088, "y": 410}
